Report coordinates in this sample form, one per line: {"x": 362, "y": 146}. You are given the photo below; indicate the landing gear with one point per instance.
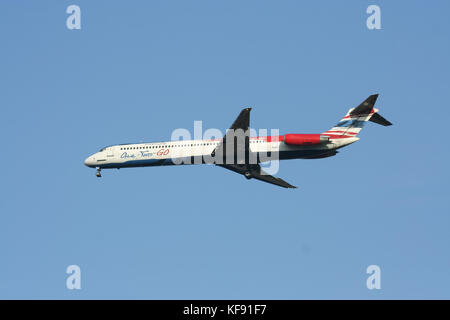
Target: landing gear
{"x": 98, "y": 174}
{"x": 247, "y": 174}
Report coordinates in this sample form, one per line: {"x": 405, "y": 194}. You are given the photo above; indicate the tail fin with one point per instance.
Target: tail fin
{"x": 354, "y": 120}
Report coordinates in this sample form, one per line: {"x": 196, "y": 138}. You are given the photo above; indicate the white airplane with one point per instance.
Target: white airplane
{"x": 239, "y": 152}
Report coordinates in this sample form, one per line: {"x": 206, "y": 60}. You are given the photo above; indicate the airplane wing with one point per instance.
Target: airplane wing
{"x": 255, "y": 171}
{"x": 241, "y": 122}
{"x": 248, "y": 170}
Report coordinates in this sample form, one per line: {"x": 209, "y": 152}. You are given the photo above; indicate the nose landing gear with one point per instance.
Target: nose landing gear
{"x": 98, "y": 174}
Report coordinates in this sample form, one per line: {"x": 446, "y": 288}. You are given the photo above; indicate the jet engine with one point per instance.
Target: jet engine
{"x": 305, "y": 139}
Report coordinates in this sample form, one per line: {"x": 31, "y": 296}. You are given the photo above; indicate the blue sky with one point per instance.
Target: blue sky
{"x": 137, "y": 70}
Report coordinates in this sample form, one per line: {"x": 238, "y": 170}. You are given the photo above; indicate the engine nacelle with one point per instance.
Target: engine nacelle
{"x": 305, "y": 139}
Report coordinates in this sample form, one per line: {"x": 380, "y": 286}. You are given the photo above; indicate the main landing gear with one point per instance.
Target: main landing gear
{"x": 98, "y": 174}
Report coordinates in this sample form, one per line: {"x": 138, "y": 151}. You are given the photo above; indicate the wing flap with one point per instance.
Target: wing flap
{"x": 262, "y": 176}
{"x": 255, "y": 171}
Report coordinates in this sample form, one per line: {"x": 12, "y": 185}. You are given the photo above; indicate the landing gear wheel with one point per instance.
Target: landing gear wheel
{"x": 247, "y": 174}
{"x": 98, "y": 174}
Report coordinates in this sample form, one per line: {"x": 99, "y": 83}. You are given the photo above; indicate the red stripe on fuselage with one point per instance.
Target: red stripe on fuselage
{"x": 338, "y": 131}
{"x": 339, "y": 136}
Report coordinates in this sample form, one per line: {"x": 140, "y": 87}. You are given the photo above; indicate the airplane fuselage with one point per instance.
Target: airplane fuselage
{"x": 199, "y": 152}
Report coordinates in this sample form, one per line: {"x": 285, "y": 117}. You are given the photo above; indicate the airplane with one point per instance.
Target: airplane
{"x": 252, "y": 150}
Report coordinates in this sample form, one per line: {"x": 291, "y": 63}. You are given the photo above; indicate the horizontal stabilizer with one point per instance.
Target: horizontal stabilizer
{"x": 380, "y": 120}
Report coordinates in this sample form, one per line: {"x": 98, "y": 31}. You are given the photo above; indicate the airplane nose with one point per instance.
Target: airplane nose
{"x": 89, "y": 162}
